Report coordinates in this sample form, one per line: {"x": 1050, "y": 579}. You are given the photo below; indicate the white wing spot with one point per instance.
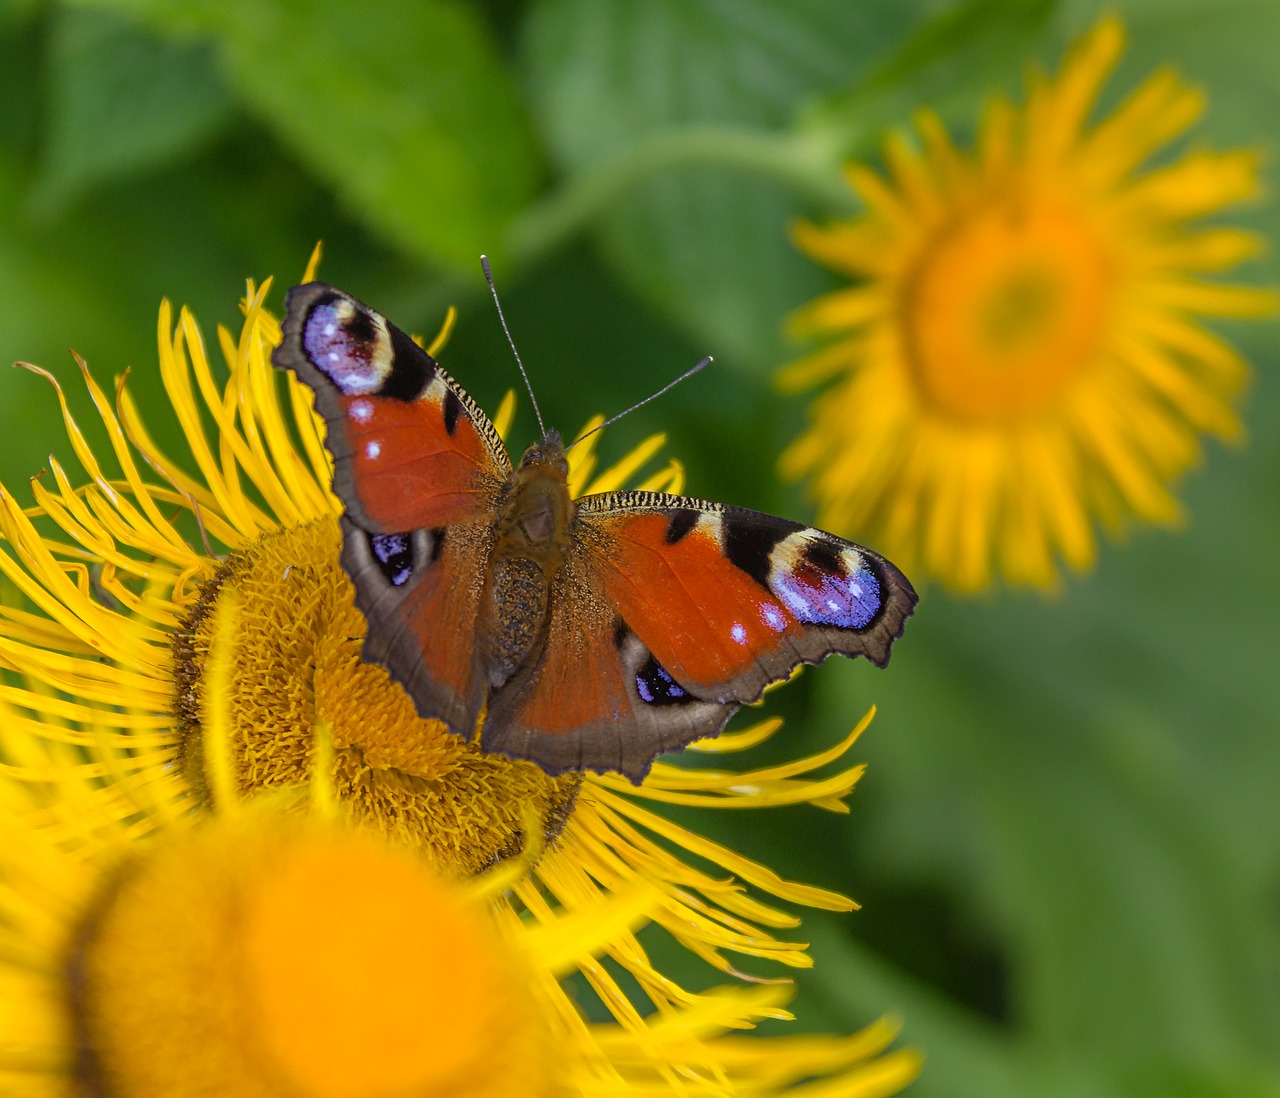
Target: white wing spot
{"x": 361, "y": 411}
{"x": 772, "y": 617}
{"x": 373, "y": 448}
{"x": 738, "y": 632}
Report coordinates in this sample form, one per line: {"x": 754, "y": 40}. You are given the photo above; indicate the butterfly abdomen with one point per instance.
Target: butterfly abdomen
{"x": 513, "y": 613}
{"x": 529, "y": 551}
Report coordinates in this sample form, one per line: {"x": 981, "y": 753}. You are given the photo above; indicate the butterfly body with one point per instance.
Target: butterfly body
{"x": 531, "y": 538}
{"x": 583, "y": 634}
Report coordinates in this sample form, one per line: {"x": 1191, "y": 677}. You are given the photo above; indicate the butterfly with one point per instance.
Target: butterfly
{"x": 585, "y": 634}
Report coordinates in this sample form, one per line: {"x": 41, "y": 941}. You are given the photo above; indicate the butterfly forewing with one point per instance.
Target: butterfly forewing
{"x": 411, "y": 449}
{"x": 729, "y": 600}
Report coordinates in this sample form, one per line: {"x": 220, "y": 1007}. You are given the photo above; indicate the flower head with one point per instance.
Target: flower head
{"x": 127, "y": 580}
{"x": 266, "y": 952}
{"x": 1022, "y": 354}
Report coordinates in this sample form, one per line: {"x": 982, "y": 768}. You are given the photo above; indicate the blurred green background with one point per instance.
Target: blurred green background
{"x": 1068, "y": 842}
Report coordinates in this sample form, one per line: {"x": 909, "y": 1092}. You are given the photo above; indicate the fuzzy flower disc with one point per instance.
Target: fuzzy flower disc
{"x": 1009, "y": 305}
{"x": 246, "y": 961}
{"x": 297, "y": 667}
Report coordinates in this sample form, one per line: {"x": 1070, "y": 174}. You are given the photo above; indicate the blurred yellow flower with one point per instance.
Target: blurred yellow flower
{"x": 1021, "y": 356}
{"x": 127, "y": 578}
{"x": 264, "y": 952}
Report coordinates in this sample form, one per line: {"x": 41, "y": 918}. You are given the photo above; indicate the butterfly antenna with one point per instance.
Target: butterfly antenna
{"x": 488, "y": 277}
{"x": 641, "y": 403}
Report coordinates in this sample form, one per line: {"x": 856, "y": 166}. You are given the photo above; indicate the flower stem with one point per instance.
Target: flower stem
{"x": 805, "y": 160}
{"x": 583, "y": 198}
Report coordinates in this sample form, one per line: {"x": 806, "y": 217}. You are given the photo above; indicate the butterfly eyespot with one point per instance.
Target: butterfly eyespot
{"x": 344, "y": 346}
{"x": 361, "y": 354}
{"x": 655, "y": 685}
{"x": 825, "y": 584}
{"x": 394, "y": 554}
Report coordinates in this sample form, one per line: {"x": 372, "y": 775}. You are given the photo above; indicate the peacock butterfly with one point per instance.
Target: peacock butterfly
{"x": 589, "y": 634}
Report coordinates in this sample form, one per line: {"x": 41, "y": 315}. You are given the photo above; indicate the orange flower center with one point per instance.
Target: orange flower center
{"x": 1007, "y": 305}
{"x": 297, "y": 666}
{"x": 284, "y": 959}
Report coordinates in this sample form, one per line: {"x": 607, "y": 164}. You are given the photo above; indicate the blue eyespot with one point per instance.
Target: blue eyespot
{"x": 394, "y": 553}
{"x": 821, "y": 597}
{"x": 655, "y": 685}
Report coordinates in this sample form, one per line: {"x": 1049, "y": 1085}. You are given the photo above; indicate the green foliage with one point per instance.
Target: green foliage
{"x": 405, "y": 110}
{"x": 121, "y": 101}
{"x": 1067, "y": 845}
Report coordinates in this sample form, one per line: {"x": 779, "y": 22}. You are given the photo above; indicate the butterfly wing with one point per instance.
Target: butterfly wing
{"x": 418, "y": 468}
{"x": 578, "y": 706}
{"x": 672, "y": 612}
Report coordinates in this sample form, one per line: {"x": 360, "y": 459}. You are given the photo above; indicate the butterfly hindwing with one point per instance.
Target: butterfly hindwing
{"x": 408, "y": 586}
{"x": 595, "y": 698}
{"x": 417, "y": 466}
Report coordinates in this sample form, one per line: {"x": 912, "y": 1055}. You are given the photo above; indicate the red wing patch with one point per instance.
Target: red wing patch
{"x": 407, "y": 470}
{"x": 704, "y": 620}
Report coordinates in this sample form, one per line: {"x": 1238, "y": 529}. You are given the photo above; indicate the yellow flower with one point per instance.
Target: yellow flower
{"x": 1021, "y": 356}
{"x": 127, "y": 578}
{"x": 260, "y": 951}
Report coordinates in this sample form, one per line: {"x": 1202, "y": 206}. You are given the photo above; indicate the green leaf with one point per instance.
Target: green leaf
{"x": 13, "y": 10}
{"x": 20, "y": 121}
{"x": 121, "y": 100}
{"x": 405, "y": 109}
{"x": 1226, "y": 1081}
{"x": 964, "y": 1056}
{"x": 93, "y": 279}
